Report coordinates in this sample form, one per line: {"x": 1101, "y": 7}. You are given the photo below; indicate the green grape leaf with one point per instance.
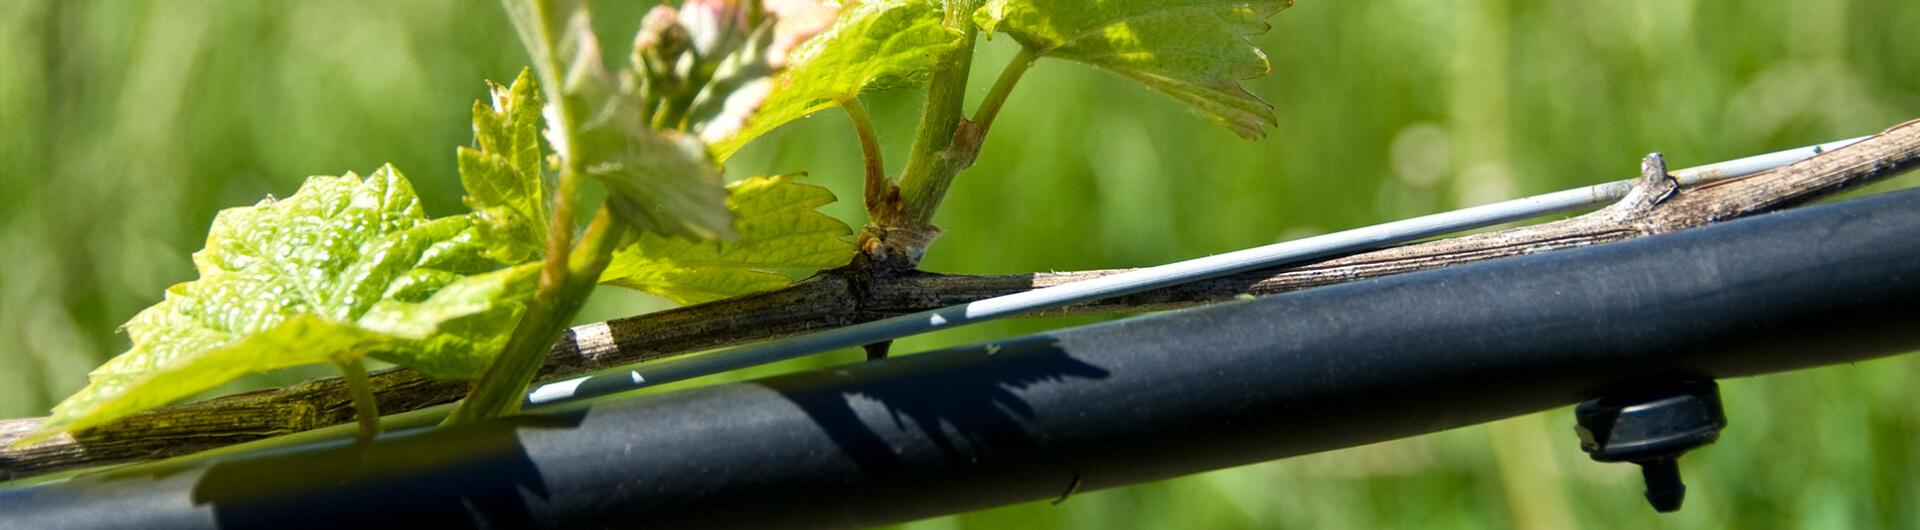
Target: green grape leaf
{"x": 874, "y": 46}
{"x": 660, "y": 181}
{"x": 742, "y": 78}
{"x": 502, "y": 177}
{"x": 456, "y": 332}
{"x": 346, "y": 267}
{"x": 137, "y": 380}
{"x": 780, "y": 231}
{"x": 1193, "y": 50}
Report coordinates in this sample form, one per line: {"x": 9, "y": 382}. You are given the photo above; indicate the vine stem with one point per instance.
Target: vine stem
{"x": 366, "y": 410}
{"x": 931, "y": 171}
{"x": 972, "y": 133}
{"x": 570, "y": 272}
{"x": 505, "y": 383}
{"x": 538, "y": 38}
{"x": 876, "y": 187}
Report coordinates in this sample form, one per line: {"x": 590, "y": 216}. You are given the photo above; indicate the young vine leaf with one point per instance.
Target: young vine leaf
{"x": 873, "y": 46}
{"x": 346, "y": 267}
{"x": 1193, "y": 50}
{"x": 703, "y": 69}
{"x": 751, "y": 53}
{"x": 779, "y": 232}
{"x": 660, "y": 181}
{"x": 502, "y": 177}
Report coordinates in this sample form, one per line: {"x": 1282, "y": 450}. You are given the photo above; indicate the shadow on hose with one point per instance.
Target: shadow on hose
{"x": 479, "y": 473}
{"x": 963, "y": 415}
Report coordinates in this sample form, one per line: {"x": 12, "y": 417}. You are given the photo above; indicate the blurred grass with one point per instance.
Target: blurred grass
{"x": 124, "y": 126}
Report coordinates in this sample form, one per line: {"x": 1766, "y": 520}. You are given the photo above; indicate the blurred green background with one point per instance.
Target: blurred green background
{"x": 124, "y": 126}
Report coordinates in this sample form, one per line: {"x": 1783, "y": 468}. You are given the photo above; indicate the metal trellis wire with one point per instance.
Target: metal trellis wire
{"x": 1295, "y": 251}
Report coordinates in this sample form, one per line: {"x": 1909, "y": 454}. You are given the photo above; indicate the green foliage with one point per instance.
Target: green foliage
{"x": 99, "y": 204}
{"x": 661, "y": 181}
{"x": 350, "y": 267}
{"x": 779, "y": 231}
{"x": 201, "y": 359}
{"x": 502, "y": 177}
{"x": 346, "y": 267}
{"x": 874, "y": 46}
{"x": 717, "y": 58}
{"x": 1193, "y": 50}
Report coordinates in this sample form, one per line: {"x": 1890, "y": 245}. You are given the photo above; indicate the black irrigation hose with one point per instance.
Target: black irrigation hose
{"x": 1093, "y": 407}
